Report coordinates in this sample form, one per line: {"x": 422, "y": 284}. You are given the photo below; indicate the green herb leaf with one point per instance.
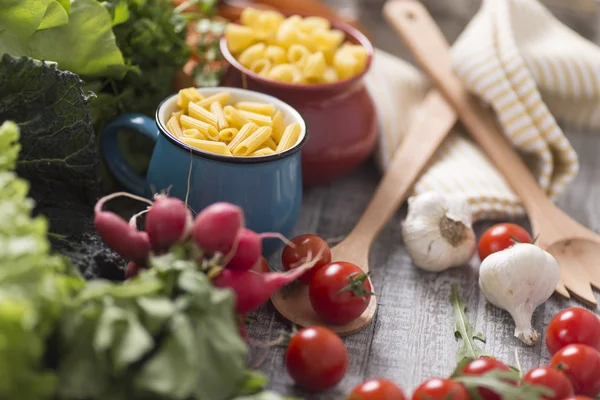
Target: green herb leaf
{"x": 505, "y": 384}
{"x": 20, "y": 18}
{"x": 464, "y": 330}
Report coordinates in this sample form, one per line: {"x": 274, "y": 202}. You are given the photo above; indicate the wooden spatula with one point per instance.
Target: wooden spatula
{"x": 576, "y": 248}
{"x": 433, "y": 123}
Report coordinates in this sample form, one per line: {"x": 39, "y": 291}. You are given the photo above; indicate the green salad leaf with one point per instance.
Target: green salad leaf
{"x": 79, "y": 39}
{"x": 464, "y": 330}
{"x": 20, "y": 18}
{"x": 60, "y": 159}
{"x": 34, "y": 285}
{"x": 56, "y": 14}
{"x": 168, "y": 334}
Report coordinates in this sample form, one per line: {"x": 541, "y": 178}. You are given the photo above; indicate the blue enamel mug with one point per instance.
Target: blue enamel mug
{"x": 267, "y": 188}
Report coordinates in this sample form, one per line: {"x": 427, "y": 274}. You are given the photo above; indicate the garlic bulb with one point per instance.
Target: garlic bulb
{"x": 437, "y": 231}
{"x": 518, "y": 280}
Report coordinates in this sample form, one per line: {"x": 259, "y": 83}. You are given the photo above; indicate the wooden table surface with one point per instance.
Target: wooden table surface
{"x": 411, "y": 338}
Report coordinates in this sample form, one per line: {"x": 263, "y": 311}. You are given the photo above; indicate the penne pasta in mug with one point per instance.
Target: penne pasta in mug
{"x": 217, "y": 124}
{"x": 294, "y": 50}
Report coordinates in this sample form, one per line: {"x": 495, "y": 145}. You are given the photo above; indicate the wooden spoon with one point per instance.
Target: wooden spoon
{"x": 433, "y": 123}
{"x": 576, "y": 248}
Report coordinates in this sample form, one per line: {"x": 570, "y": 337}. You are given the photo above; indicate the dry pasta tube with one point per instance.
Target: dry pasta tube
{"x": 202, "y": 114}
{"x": 278, "y": 126}
{"x": 260, "y": 66}
{"x": 265, "y": 151}
{"x": 217, "y": 110}
{"x": 298, "y": 55}
{"x": 251, "y": 54}
{"x": 239, "y": 37}
{"x": 234, "y": 117}
{"x": 228, "y": 134}
{"x": 253, "y": 142}
{"x": 247, "y": 130}
{"x": 286, "y": 73}
{"x": 187, "y": 95}
{"x": 174, "y": 127}
{"x": 258, "y": 119}
{"x": 207, "y": 130}
{"x": 208, "y": 146}
{"x": 258, "y": 108}
{"x": 222, "y": 98}
{"x": 270, "y": 143}
{"x": 193, "y": 134}
{"x": 315, "y": 66}
{"x": 345, "y": 64}
{"x": 275, "y": 54}
{"x": 289, "y": 138}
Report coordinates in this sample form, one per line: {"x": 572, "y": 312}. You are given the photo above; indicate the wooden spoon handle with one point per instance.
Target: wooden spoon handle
{"x": 434, "y": 121}
{"x": 427, "y": 43}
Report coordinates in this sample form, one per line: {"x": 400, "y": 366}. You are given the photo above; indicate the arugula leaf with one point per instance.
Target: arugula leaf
{"x": 85, "y": 45}
{"x": 505, "y": 384}
{"x": 464, "y": 330}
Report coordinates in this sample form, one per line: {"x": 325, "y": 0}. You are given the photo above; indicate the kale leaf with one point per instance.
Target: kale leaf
{"x": 59, "y": 157}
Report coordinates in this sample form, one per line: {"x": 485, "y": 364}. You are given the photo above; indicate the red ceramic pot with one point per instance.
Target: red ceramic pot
{"x": 340, "y": 116}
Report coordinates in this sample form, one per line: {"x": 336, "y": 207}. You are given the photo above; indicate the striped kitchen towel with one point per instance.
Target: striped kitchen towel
{"x": 532, "y": 70}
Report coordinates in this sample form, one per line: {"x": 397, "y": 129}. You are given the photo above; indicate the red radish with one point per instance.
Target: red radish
{"x": 217, "y": 227}
{"x": 120, "y": 236}
{"x": 132, "y": 270}
{"x": 248, "y": 251}
{"x": 169, "y": 221}
{"x": 253, "y": 289}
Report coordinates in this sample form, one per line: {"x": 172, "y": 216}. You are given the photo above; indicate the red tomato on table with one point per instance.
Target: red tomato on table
{"x": 581, "y": 363}
{"x": 305, "y": 246}
{"x": 500, "y": 237}
{"x": 340, "y": 292}
{"x": 573, "y": 326}
{"x": 553, "y": 379}
{"x": 316, "y": 358}
{"x": 440, "y": 389}
{"x": 481, "y": 366}
{"x": 376, "y": 389}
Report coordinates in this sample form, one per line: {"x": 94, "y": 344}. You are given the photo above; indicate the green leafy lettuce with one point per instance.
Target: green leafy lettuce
{"x": 34, "y": 285}
{"x": 77, "y": 35}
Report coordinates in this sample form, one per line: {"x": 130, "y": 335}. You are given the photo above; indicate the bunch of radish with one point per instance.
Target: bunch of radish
{"x": 218, "y": 231}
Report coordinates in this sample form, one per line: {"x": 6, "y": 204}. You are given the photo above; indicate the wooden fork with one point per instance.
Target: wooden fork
{"x": 576, "y": 248}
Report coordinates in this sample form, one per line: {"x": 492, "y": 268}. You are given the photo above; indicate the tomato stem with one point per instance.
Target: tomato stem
{"x": 356, "y": 286}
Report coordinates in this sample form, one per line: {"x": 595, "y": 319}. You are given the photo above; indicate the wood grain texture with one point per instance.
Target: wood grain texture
{"x": 411, "y": 337}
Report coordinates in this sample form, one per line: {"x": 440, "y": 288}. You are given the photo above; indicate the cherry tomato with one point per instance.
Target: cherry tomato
{"x": 440, "y": 389}
{"x": 262, "y": 266}
{"x": 553, "y": 379}
{"x": 316, "y": 358}
{"x": 306, "y": 245}
{"x": 573, "y": 326}
{"x": 377, "y": 389}
{"x": 481, "y": 366}
{"x": 500, "y": 237}
{"x": 581, "y": 363}
{"x": 340, "y": 292}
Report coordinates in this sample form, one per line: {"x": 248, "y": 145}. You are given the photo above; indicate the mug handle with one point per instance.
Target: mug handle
{"x": 115, "y": 161}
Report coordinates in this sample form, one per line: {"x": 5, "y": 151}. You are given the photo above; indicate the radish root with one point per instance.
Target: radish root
{"x": 277, "y": 235}
{"x": 100, "y": 204}
{"x": 133, "y": 219}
